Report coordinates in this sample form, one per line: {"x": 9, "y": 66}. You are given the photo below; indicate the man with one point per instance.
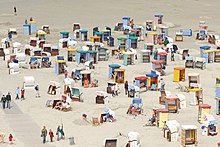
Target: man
{"x": 37, "y": 90}
{"x": 17, "y": 92}
{"x": 126, "y": 87}
{"x": 15, "y": 10}
{"x": 8, "y": 100}
{"x": 172, "y": 55}
{"x": 44, "y": 134}
{"x": 162, "y": 84}
{"x": 3, "y": 100}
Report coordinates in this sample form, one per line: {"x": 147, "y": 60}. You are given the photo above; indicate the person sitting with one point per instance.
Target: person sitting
{"x": 152, "y": 120}
{"x": 94, "y": 83}
{"x": 58, "y": 105}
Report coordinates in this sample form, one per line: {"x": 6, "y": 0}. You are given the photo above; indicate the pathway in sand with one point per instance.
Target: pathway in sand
{"x": 24, "y": 127}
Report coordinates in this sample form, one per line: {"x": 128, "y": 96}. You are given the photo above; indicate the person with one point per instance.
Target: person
{"x": 86, "y": 82}
{"x": 172, "y": 55}
{"x": 44, "y": 134}
{"x": 155, "y": 54}
{"x": 17, "y": 92}
{"x": 126, "y": 87}
{"x": 22, "y": 93}
{"x": 65, "y": 74}
{"x": 68, "y": 91}
{"x": 15, "y": 10}
{"x": 152, "y": 120}
{"x": 162, "y": 84}
{"x": 25, "y": 22}
{"x": 148, "y": 28}
{"x": 3, "y": 100}
{"x": 60, "y": 133}
{"x": 94, "y": 83}
{"x": 37, "y": 90}
{"x": 114, "y": 90}
{"x": 10, "y": 138}
{"x": 166, "y": 41}
{"x": 31, "y": 19}
{"x": 51, "y": 135}
{"x": 8, "y": 100}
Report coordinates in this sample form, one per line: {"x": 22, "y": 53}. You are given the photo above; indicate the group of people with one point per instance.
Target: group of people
{"x": 6, "y": 100}
{"x": 59, "y": 133}
{"x": 18, "y": 92}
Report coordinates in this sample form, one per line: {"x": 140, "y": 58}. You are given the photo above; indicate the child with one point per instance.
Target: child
{"x": 10, "y": 139}
{"x": 51, "y": 135}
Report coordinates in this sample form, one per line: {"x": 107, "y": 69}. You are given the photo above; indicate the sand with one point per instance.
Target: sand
{"x": 60, "y": 15}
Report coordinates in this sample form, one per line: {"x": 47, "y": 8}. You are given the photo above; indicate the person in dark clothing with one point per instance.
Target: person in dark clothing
{"x": 126, "y": 87}
{"x": 44, "y": 134}
{"x": 37, "y": 90}
{"x": 172, "y": 55}
{"x": 15, "y": 10}
{"x": 8, "y": 100}
{"x": 3, "y": 100}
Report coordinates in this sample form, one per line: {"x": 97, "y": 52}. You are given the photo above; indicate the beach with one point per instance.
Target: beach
{"x": 60, "y": 16}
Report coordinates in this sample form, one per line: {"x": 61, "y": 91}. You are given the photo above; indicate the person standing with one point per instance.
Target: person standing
{"x": 44, "y": 134}
{"x": 37, "y": 90}
{"x": 51, "y": 135}
{"x": 15, "y": 10}
{"x": 62, "y": 132}
{"x": 10, "y": 138}
{"x": 58, "y": 133}
{"x": 172, "y": 55}
{"x": 17, "y": 92}
{"x": 22, "y": 93}
{"x": 162, "y": 84}
{"x": 8, "y": 100}
{"x": 3, "y": 100}
{"x": 126, "y": 87}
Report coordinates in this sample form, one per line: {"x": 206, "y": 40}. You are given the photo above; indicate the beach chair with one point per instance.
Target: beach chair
{"x": 133, "y": 139}
{"x": 110, "y": 142}
{"x": 200, "y": 63}
{"x": 136, "y": 107}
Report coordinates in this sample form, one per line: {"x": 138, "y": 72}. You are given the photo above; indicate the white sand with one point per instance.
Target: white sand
{"x": 60, "y": 15}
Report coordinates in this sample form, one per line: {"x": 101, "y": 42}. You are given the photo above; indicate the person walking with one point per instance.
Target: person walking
{"x": 3, "y": 100}
{"x": 10, "y": 138}
{"x": 172, "y": 55}
{"x": 126, "y": 87}
{"x": 15, "y": 10}
{"x": 44, "y": 134}
{"x": 37, "y": 90}
{"x": 22, "y": 93}
{"x": 62, "y": 132}
{"x": 17, "y": 92}
{"x": 162, "y": 84}
{"x": 58, "y": 133}
{"x": 8, "y": 100}
{"x": 51, "y": 135}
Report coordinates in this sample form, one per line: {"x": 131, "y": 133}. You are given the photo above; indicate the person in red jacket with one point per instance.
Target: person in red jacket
{"x": 51, "y": 135}
{"x": 10, "y": 138}
{"x": 22, "y": 93}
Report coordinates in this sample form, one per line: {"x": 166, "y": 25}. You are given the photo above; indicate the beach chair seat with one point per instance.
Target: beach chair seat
{"x": 153, "y": 87}
{"x": 95, "y": 121}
